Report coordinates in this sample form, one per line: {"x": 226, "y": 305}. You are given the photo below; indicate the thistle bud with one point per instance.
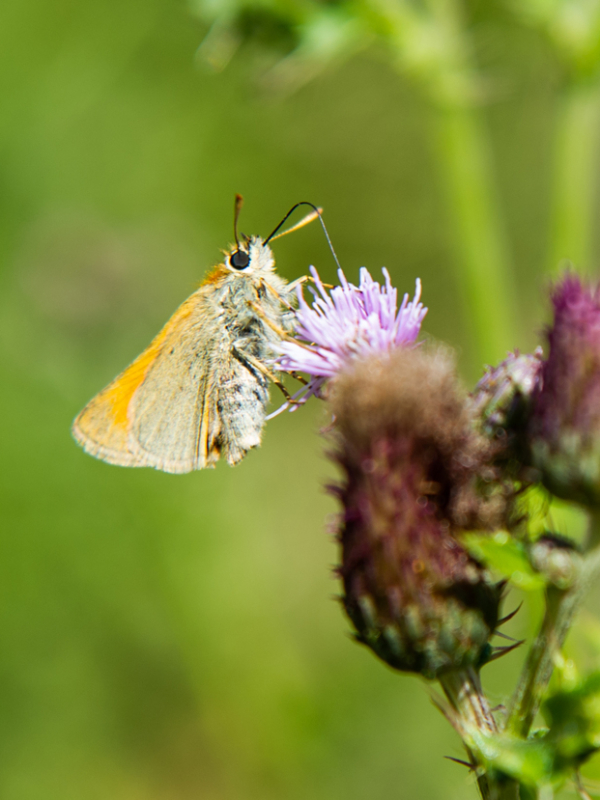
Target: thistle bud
{"x": 556, "y": 558}
{"x": 502, "y": 398}
{"x": 564, "y": 429}
{"x": 411, "y": 459}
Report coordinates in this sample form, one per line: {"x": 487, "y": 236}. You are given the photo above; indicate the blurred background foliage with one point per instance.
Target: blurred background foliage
{"x": 175, "y": 636}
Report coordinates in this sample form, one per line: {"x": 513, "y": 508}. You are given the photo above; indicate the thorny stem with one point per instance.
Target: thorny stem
{"x": 561, "y": 607}
{"x": 463, "y": 690}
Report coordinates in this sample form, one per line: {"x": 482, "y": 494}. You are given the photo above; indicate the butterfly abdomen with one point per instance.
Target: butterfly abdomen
{"x": 241, "y": 406}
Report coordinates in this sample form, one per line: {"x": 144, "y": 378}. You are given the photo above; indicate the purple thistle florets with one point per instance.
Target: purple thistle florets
{"x": 349, "y": 322}
{"x": 565, "y": 426}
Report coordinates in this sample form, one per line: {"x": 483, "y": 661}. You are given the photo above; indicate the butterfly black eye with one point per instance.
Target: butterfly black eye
{"x": 239, "y": 259}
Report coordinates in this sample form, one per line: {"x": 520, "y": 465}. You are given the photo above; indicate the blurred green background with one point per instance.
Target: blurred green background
{"x": 167, "y": 636}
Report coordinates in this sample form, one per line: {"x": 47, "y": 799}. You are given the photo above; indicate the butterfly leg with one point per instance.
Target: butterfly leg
{"x": 281, "y": 299}
{"x": 298, "y": 377}
{"x": 260, "y": 367}
{"x": 291, "y": 288}
{"x": 278, "y": 330}
{"x": 305, "y": 278}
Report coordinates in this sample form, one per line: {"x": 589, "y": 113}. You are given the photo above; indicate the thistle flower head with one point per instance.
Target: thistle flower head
{"x": 500, "y": 395}
{"x": 502, "y": 402}
{"x": 350, "y": 322}
{"x": 565, "y": 424}
{"x": 411, "y": 461}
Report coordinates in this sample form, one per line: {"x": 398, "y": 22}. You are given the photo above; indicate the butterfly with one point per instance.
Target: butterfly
{"x": 201, "y": 389}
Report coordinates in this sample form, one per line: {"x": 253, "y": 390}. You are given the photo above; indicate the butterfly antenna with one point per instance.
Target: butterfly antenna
{"x": 304, "y": 221}
{"x": 315, "y": 213}
{"x": 239, "y": 202}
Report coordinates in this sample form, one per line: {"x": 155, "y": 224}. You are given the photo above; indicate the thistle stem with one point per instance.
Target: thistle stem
{"x": 482, "y": 259}
{"x": 575, "y": 176}
{"x": 561, "y": 607}
{"x": 463, "y": 690}
{"x": 450, "y": 79}
{"x": 538, "y": 668}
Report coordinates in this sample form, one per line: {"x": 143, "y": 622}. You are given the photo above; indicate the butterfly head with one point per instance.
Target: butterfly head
{"x": 250, "y": 257}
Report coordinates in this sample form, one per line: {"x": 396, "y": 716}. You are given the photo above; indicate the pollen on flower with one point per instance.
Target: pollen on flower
{"x": 348, "y": 322}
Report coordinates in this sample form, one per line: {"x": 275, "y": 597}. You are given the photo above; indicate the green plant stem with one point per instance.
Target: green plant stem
{"x": 561, "y": 607}
{"x": 450, "y": 79}
{"x": 506, "y": 789}
{"x": 575, "y": 165}
{"x": 538, "y": 667}
{"x": 481, "y": 252}
{"x": 463, "y": 690}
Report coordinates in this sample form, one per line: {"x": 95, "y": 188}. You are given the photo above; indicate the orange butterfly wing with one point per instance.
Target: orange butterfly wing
{"x": 105, "y": 426}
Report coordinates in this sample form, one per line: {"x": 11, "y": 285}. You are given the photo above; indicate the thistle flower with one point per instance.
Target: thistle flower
{"x": 500, "y": 396}
{"x": 502, "y": 402}
{"x": 411, "y": 459}
{"x": 350, "y": 322}
{"x": 564, "y": 429}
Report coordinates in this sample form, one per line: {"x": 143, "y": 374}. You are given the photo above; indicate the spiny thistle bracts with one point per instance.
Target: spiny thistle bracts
{"x": 413, "y": 468}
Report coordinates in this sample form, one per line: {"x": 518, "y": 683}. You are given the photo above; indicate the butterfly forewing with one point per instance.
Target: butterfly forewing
{"x": 103, "y": 427}
{"x": 173, "y": 419}
{"x": 189, "y": 397}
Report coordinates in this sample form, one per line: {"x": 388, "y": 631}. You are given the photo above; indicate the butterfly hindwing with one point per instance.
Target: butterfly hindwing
{"x": 185, "y": 400}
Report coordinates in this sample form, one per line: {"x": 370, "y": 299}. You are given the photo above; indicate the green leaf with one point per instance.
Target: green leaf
{"x": 573, "y": 716}
{"x": 531, "y": 762}
{"x": 505, "y": 555}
